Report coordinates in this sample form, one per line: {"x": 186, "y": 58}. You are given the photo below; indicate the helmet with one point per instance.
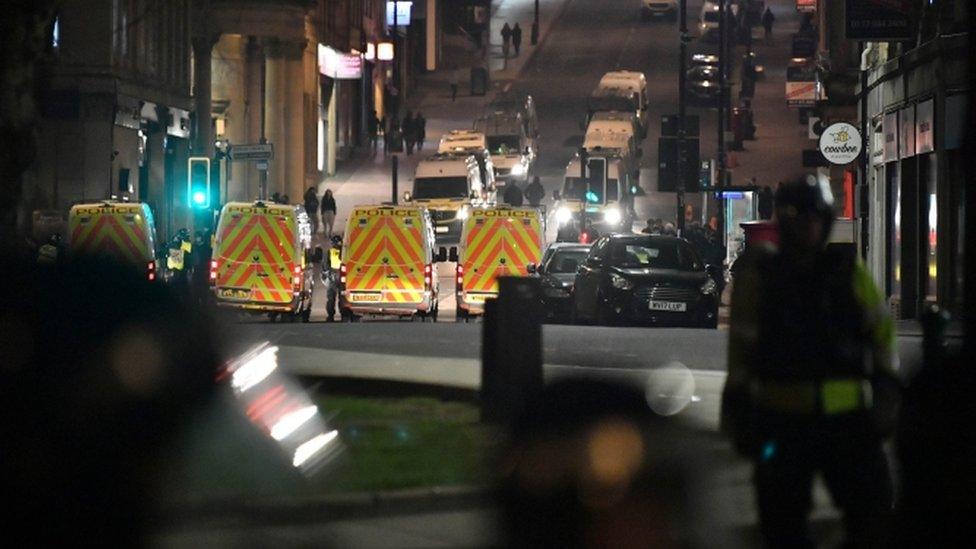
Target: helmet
{"x": 806, "y": 196}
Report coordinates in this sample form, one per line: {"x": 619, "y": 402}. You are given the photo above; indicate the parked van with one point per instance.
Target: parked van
{"x": 629, "y": 86}
{"x": 469, "y": 142}
{"x": 522, "y": 105}
{"x": 263, "y": 260}
{"x": 449, "y": 185}
{"x": 498, "y": 241}
{"x": 388, "y": 263}
{"x": 512, "y": 153}
{"x": 608, "y": 203}
{"x": 124, "y": 232}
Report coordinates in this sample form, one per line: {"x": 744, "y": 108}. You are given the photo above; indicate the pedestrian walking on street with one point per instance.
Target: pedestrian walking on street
{"x": 372, "y": 127}
{"x": 811, "y": 385}
{"x": 409, "y": 132}
{"x": 506, "y": 39}
{"x": 534, "y": 192}
{"x": 420, "y": 123}
{"x": 513, "y": 195}
{"x": 455, "y": 81}
{"x": 767, "y": 21}
{"x": 516, "y": 38}
{"x": 312, "y": 208}
{"x": 328, "y": 213}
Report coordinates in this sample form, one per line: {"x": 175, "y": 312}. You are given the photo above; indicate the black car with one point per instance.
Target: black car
{"x": 557, "y": 272}
{"x": 645, "y": 279}
{"x": 702, "y": 82}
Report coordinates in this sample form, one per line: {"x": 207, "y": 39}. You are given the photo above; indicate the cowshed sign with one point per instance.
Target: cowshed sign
{"x": 840, "y": 143}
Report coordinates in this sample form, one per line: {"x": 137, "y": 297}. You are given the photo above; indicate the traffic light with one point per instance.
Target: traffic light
{"x": 198, "y": 182}
{"x": 668, "y": 159}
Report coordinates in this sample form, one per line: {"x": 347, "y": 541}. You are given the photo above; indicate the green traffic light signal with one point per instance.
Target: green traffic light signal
{"x": 198, "y": 182}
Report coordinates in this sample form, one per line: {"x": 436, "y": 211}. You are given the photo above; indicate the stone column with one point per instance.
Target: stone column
{"x": 275, "y": 82}
{"x": 202, "y": 93}
{"x": 294, "y": 156}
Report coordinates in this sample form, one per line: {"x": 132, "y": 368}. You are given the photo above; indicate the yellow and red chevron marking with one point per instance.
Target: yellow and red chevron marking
{"x": 495, "y": 239}
{"x": 110, "y": 235}
{"x": 257, "y": 252}
{"x": 383, "y": 255}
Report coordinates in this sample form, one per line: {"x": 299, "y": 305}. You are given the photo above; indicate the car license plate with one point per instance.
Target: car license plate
{"x": 671, "y": 306}
{"x": 442, "y": 229}
{"x": 365, "y": 297}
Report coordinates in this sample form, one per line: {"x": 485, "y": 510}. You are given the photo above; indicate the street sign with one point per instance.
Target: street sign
{"x": 257, "y": 151}
{"x": 878, "y": 20}
{"x": 840, "y": 143}
{"x": 803, "y": 94}
{"x": 261, "y": 165}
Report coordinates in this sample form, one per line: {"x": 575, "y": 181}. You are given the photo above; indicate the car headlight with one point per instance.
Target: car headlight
{"x": 620, "y": 282}
{"x": 563, "y": 215}
{"x": 612, "y": 216}
{"x": 518, "y": 169}
{"x": 709, "y": 287}
{"x": 462, "y": 213}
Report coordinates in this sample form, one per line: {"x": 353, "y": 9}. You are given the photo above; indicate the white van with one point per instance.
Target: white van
{"x": 470, "y": 142}
{"x": 629, "y": 85}
{"x": 614, "y": 122}
{"x": 512, "y": 153}
{"x": 609, "y": 206}
{"x": 448, "y": 185}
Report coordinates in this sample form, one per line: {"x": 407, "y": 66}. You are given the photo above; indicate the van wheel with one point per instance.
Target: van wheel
{"x": 272, "y": 317}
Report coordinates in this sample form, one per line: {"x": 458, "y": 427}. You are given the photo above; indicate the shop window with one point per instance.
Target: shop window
{"x": 931, "y": 246}
{"x": 894, "y": 216}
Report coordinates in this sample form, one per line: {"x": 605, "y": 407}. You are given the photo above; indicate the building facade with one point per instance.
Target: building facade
{"x": 915, "y": 99}
{"x": 115, "y": 117}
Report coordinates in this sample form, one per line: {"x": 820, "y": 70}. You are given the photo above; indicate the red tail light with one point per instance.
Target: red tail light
{"x": 342, "y": 273}
{"x": 584, "y": 237}
{"x": 151, "y": 271}
{"x": 428, "y": 272}
{"x": 213, "y": 271}
{"x": 297, "y": 279}
{"x": 460, "y": 276}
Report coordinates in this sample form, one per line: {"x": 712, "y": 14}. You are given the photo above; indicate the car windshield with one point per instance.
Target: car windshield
{"x": 440, "y": 187}
{"x": 566, "y": 261}
{"x": 655, "y": 255}
{"x": 503, "y": 144}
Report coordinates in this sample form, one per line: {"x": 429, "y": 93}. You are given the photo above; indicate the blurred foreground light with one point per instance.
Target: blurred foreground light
{"x": 312, "y": 447}
{"x": 290, "y": 422}
{"x": 670, "y": 389}
{"x": 255, "y": 370}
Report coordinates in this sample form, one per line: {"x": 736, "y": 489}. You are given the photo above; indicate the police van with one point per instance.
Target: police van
{"x": 263, "y": 261}
{"x": 498, "y": 241}
{"x": 474, "y": 143}
{"x": 607, "y": 202}
{"x": 389, "y": 263}
{"x": 449, "y": 185}
{"x": 512, "y": 152}
{"x": 622, "y": 91}
{"x": 124, "y": 232}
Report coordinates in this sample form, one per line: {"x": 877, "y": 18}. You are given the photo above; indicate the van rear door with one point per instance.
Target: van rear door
{"x": 256, "y": 254}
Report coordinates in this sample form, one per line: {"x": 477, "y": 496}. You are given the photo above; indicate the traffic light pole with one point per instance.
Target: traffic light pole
{"x": 682, "y": 90}
{"x": 722, "y": 92}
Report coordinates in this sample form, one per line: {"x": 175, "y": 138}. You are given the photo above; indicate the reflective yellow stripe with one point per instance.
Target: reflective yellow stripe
{"x": 840, "y": 396}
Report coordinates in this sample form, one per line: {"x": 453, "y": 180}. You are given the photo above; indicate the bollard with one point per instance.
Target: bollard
{"x": 511, "y": 349}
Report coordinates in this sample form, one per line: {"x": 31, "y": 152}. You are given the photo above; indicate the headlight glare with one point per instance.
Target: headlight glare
{"x": 563, "y": 215}
{"x": 518, "y": 169}
{"x": 612, "y": 216}
{"x": 462, "y": 213}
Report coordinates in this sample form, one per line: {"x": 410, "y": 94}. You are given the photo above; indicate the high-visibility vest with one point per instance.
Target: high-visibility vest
{"x": 334, "y": 261}
{"x": 175, "y": 259}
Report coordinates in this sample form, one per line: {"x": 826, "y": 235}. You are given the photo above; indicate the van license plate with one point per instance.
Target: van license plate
{"x": 362, "y": 297}
{"x": 671, "y": 306}
{"x": 442, "y": 229}
{"x": 235, "y": 294}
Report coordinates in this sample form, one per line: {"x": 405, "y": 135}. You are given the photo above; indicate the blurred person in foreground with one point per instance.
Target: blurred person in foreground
{"x": 812, "y": 386}
{"x": 588, "y": 464}
{"x": 101, "y": 370}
